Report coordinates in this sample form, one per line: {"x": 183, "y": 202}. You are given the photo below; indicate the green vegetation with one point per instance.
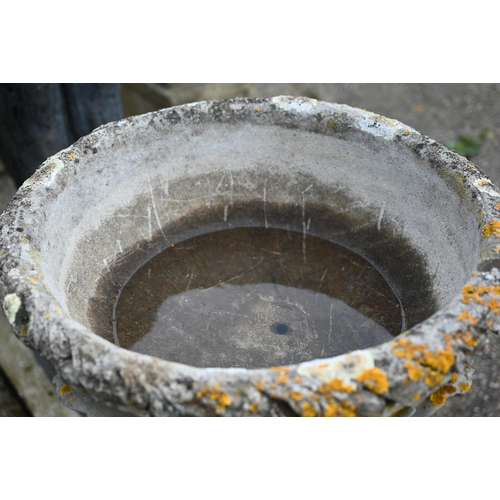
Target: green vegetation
{"x": 468, "y": 146}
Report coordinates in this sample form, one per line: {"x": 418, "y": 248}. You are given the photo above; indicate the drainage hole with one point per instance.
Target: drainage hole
{"x": 280, "y": 328}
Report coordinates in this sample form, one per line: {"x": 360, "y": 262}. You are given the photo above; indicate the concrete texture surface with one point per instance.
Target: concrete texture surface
{"x": 440, "y": 111}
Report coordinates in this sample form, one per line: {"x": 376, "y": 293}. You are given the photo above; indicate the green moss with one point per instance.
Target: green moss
{"x": 458, "y": 181}
{"x": 339, "y": 124}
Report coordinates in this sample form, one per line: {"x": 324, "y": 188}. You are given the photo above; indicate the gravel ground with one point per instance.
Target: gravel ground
{"x": 441, "y": 111}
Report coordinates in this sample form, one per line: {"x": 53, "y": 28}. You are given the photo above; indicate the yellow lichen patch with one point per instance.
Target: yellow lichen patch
{"x": 345, "y": 409}
{"x": 33, "y": 280}
{"x": 467, "y": 338}
{"x": 253, "y": 408}
{"x": 72, "y": 156}
{"x": 465, "y": 316}
{"x": 415, "y": 373}
{"x": 284, "y": 369}
{"x": 225, "y": 400}
{"x": 335, "y": 384}
{"x": 468, "y": 293}
{"x": 23, "y": 330}
{"x": 405, "y": 348}
{"x": 65, "y": 389}
{"x": 417, "y": 397}
{"x": 296, "y": 396}
{"x": 433, "y": 378}
{"x": 323, "y": 365}
{"x": 257, "y": 110}
{"x": 297, "y": 379}
{"x": 221, "y": 398}
{"x": 489, "y": 323}
{"x": 260, "y": 385}
{"x": 282, "y": 379}
{"x": 438, "y": 398}
{"x": 494, "y": 305}
{"x": 375, "y": 380}
{"x": 406, "y": 132}
{"x": 453, "y": 378}
{"x": 440, "y": 361}
{"x": 308, "y": 410}
{"x": 464, "y": 387}
{"x": 492, "y": 227}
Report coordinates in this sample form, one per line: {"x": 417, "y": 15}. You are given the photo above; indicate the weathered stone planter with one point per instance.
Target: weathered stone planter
{"x": 422, "y": 214}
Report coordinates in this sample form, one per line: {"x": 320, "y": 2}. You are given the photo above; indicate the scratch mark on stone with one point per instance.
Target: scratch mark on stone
{"x": 225, "y": 213}
{"x": 220, "y": 183}
{"x": 304, "y": 226}
{"x": 154, "y": 208}
{"x": 329, "y": 331}
{"x": 382, "y": 209}
{"x": 265, "y": 210}
{"x": 180, "y": 200}
{"x": 106, "y": 264}
{"x": 149, "y": 223}
{"x": 190, "y": 279}
{"x": 232, "y": 185}
{"x": 331, "y": 324}
{"x": 119, "y": 246}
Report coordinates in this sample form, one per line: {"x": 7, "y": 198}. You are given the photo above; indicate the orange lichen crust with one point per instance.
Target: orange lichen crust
{"x": 335, "y": 384}
{"x": 441, "y": 360}
{"x": 260, "y": 385}
{"x": 415, "y": 373}
{"x": 308, "y": 410}
{"x": 435, "y": 363}
{"x": 374, "y": 379}
{"x": 345, "y": 409}
{"x": 492, "y": 227}
{"x": 438, "y": 398}
{"x": 467, "y": 338}
{"x": 329, "y": 405}
{"x": 65, "y": 389}
{"x": 283, "y": 369}
{"x": 221, "y": 398}
{"x": 476, "y": 294}
{"x": 466, "y": 316}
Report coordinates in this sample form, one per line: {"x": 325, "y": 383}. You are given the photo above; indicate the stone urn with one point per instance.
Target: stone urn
{"x": 426, "y": 218}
